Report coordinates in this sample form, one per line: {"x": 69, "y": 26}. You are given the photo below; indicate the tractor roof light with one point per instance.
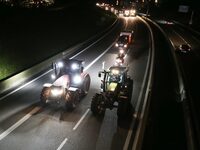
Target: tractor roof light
{"x": 60, "y": 64}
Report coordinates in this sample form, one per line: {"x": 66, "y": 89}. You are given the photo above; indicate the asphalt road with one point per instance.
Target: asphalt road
{"x": 25, "y": 125}
{"x": 189, "y": 63}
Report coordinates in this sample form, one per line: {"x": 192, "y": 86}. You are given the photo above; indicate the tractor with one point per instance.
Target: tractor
{"x": 69, "y": 86}
{"x": 117, "y": 87}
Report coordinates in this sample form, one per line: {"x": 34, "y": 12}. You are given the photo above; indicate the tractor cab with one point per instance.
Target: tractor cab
{"x": 67, "y": 66}
{"x": 116, "y": 86}
{"x": 113, "y": 79}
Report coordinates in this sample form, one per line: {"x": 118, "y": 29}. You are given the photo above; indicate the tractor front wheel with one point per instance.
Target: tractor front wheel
{"x": 72, "y": 99}
{"x": 98, "y": 105}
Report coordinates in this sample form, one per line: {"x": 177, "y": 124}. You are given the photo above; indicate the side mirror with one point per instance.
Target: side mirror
{"x": 53, "y": 65}
{"x": 82, "y": 69}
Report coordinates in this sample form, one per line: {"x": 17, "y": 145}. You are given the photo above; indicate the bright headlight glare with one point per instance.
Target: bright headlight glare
{"x": 60, "y": 64}
{"x": 56, "y": 91}
{"x": 116, "y": 45}
{"x": 125, "y": 45}
{"x": 114, "y": 71}
{"x": 53, "y": 76}
{"x": 121, "y": 51}
{"x": 74, "y": 66}
{"x": 77, "y": 79}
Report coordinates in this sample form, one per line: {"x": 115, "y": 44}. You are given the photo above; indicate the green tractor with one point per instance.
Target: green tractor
{"x": 116, "y": 86}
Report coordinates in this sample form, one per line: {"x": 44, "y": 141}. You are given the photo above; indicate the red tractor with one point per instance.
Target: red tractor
{"x": 70, "y": 83}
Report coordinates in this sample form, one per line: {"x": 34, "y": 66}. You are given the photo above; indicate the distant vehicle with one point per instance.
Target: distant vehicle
{"x": 132, "y": 12}
{"x": 120, "y": 13}
{"x": 126, "y": 13}
{"x": 184, "y": 48}
{"x": 70, "y": 84}
{"x": 124, "y": 39}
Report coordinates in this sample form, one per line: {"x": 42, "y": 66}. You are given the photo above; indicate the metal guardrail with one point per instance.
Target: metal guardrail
{"x": 144, "y": 107}
{"x": 27, "y": 74}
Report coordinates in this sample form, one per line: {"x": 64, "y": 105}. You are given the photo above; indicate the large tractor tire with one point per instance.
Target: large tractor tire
{"x": 86, "y": 85}
{"x": 98, "y": 105}
{"x": 71, "y": 99}
{"x": 44, "y": 95}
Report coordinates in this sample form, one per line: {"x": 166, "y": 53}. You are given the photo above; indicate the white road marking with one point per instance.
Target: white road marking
{"x": 79, "y": 122}
{"x": 86, "y": 68}
{"x": 62, "y": 144}
{"x": 18, "y": 123}
{"x": 103, "y": 65}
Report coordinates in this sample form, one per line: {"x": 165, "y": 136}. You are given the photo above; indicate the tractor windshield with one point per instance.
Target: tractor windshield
{"x": 115, "y": 78}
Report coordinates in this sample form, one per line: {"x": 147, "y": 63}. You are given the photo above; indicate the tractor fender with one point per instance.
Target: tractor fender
{"x": 47, "y": 85}
{"x": 63, "y": 80}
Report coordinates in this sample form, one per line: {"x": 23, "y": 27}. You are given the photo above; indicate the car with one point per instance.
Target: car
{"x": 184, "y": 48}
{"x": 122, "y": 41}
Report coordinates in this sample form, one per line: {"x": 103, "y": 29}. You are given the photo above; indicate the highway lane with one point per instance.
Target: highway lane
{"x": 53, "y": 127}
{"x": 189, "y": 64}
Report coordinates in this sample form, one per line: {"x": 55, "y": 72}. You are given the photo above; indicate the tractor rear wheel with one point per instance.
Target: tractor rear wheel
{"x": 98, "y": 105}
{"x": 86, "y": 85}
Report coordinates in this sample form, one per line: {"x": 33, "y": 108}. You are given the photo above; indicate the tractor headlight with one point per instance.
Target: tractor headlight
{"x": 60, "y": 64}
{"x": 77, "y": 79}
{"x": 115, "y": 71}
{"x": 125, "y": 45}
{"x": 116, "y": 44}
{"x": 74, "y": 66}
{"x": 56, "y": 91}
